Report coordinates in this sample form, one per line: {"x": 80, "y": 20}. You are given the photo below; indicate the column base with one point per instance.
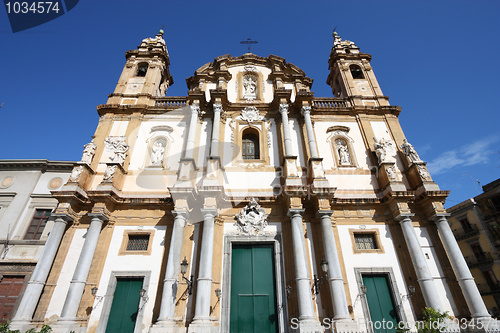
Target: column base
{"x": 21, "y": 325}
{"x": 344, "y": 325}
{"x": 203, "y": 326}
{"x": 168, "y": 326}
{"x": 307, "y": 326}
{"x": 67, "y": 326}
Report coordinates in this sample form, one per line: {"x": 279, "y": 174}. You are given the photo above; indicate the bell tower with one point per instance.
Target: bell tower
{"x": 351, "y": 75}
{"x": 146, "y": 74}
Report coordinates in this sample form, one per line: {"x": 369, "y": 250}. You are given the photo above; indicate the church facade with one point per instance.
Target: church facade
{"x": 247, "y": 205}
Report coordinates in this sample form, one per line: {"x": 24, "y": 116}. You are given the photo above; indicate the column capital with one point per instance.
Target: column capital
{"x": 66, "y": 218}
{"x": 284, "y": 107}
{"x": 207, "y": 211}
{"x": 436, "y": 218}
{"x": 402, "y": 217}
{"x": 294, "y": 212}
{"x": 322, "y": 213}
{"x": 181, "y": 213}
{"x": 306, "y": 109}
{"x": 218, "y": 107}
{"x": 99, "y": 215}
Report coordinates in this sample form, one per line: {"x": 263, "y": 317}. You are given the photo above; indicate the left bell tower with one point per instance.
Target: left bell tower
{"x": 146, "y": 74}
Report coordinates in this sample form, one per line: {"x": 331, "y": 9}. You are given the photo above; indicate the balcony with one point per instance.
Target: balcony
{"x": 171, "y": 102}
{"x": 461, "y": 234}
{"x": 329, "y": 103}
{"x": 480, "y": 261}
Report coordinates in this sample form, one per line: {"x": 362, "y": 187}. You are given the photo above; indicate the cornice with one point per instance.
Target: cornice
{"x": 36, "y": 164}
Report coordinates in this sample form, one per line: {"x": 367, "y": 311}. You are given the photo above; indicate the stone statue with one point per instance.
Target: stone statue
{"x": 88, "y": 152}
{"x": 344, "y": 157}
{"x": 384, "y": 150}
{"x": 250, "y": 86}
{"x": 75, "y": 174}
{"x": 391, "y": 172}
{"x": 157, "y": 152}
{"x": 118, "y": 146}
{"x": 109, "y": 172}
{"x": 409, "y": 151}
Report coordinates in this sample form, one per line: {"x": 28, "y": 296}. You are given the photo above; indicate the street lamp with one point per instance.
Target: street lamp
{"x": 184, "y": 266}
{"x": 319, "y": 281}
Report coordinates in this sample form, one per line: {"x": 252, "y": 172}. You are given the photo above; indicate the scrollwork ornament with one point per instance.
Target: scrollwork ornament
{"x": 252, "y": 218}
{"x": 423, "y": 172}
{"x": 250, "y": 114}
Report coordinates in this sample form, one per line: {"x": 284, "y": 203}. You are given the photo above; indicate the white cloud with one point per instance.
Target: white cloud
{"x": 473, "y": 153}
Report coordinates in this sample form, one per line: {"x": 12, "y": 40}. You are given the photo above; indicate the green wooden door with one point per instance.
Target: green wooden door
{"x": 253, "y": 301}
{"x": 380, "y": 303}
{"x": 123, "y": 313}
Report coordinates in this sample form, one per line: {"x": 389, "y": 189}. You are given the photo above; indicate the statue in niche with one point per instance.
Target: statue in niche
{"x": 250, "y": 87}
{"x": 88, "y": 152}
{"x": 343, "y": 151}
{"x": 157, "y": 152}
{"x": 409, "y": 151}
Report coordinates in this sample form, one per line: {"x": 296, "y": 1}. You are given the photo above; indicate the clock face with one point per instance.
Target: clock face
{"x": 363, "y": 87}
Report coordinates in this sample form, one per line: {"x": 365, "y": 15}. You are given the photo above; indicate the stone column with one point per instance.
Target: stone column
{"x": 306, "y": 112}
{"x": 214, "y": 147}
{"x": 77, "y": 285}
{"x": 424, "y": 276}
{"x": 307, "y": 317}
{"x": 167, "y": 307}
{"x": 335, "y": 279}
{"x": 201, "y": 321}
{"x": 35, "y": 286}
{"x": 286, "y": 129}
{"x": 465, "y": 280}
{"x": 195, "y": 109}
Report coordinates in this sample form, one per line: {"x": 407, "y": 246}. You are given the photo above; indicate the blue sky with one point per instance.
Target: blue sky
{"x": 435, "y": 59}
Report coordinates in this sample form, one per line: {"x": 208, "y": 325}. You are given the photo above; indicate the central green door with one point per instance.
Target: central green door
{"x": 123, "y": 313}
{"x": 380, "y": 303}
{"x": 253, "y": 303}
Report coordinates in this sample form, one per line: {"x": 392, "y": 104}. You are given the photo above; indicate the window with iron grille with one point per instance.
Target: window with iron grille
{"x": 365, "y": 241}
{"x": 37, "y": 224}
{"x": 138, "y": 242}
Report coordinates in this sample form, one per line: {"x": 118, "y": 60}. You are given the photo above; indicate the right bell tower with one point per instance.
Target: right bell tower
{"x": 351, "y": 75}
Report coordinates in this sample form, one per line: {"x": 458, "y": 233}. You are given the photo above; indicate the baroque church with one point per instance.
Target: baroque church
{"x": 249, "y": 205}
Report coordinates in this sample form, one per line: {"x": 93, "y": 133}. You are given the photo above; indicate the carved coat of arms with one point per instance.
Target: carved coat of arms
{"x": 252, "y": 218}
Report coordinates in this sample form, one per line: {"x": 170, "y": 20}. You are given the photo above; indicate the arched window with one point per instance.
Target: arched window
{"x": 142, "y": 69}
{"x": 250, "y": 145}
{"x": 356, "y": 72}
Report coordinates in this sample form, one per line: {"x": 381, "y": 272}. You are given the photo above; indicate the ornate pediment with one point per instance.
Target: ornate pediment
{"x": 252, "y": 218}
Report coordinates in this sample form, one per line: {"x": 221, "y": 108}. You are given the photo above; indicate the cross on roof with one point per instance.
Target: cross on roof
{"x": 249, "y": 42}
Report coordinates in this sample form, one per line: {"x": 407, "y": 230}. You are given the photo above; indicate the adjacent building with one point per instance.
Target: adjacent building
{"x": 247, "y": 205}
{"x": 26, "y": 204}
{"x": 476, "y": 225}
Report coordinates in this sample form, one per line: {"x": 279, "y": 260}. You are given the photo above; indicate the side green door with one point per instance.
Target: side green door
{"x": 253, "y": 301}
{"x": 380, "y": 303}
{"x": 123, "y": 313}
